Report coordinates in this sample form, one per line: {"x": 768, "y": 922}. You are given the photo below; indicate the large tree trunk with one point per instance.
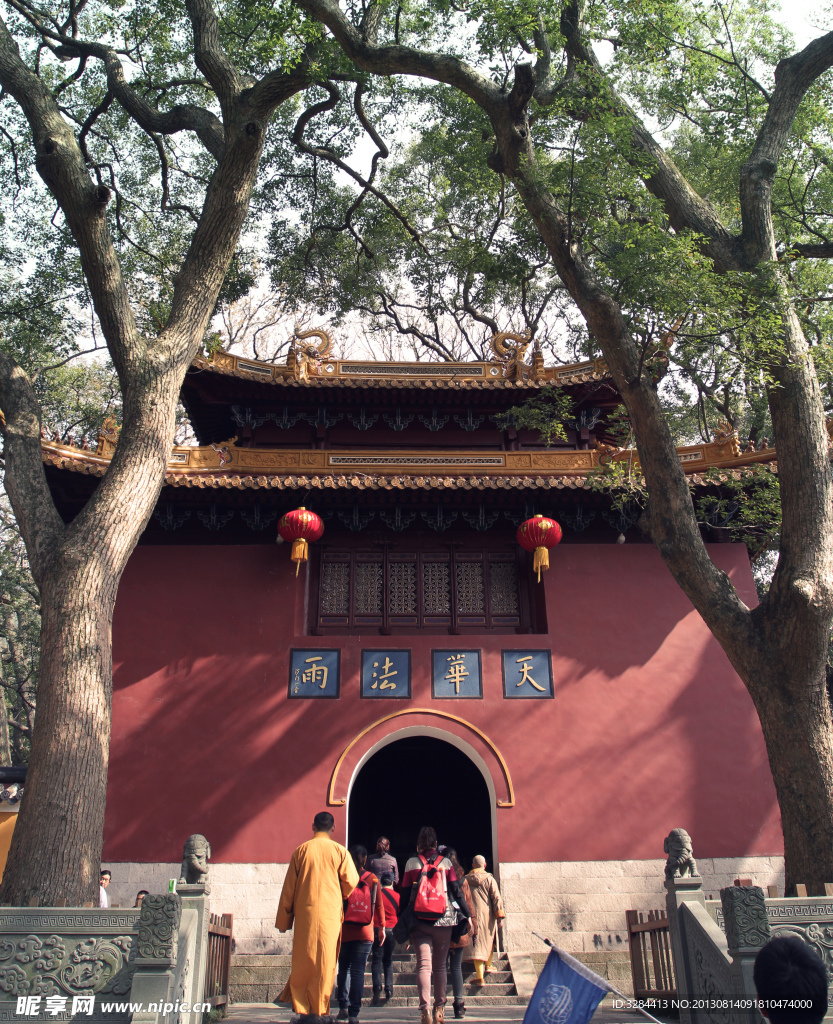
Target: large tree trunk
{"x": 63, "y": 808}
{"x": 795, "y": 719}
{"x": 56, "y": 845}
{"x": 5, "y": 749}
{"x": 780, "y": 648}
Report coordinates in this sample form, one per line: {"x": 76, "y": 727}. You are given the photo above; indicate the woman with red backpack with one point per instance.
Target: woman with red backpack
{"x": 433, "y": 904}
{"x": 364, "y": 920}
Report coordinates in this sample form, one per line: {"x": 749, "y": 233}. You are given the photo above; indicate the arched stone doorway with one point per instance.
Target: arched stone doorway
{"x": 416, "y": 778}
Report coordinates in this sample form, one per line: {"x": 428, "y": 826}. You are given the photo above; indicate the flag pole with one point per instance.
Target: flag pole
{"x": 610, "y": 988}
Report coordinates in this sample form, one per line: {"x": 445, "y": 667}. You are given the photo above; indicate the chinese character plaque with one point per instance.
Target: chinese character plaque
{"x": 527, "y": 674}
{"x": 456, "y": 674}
{"x": 386, "y": 674}
{"x": 313, "y": 673}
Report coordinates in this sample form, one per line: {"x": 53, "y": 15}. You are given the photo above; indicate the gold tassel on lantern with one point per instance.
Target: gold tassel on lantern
{"x": 540, "y": 560}
{"x": 299, "y": 553}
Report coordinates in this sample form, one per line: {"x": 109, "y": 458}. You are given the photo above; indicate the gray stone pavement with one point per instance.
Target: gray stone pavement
{"x": 269, "y": 1013}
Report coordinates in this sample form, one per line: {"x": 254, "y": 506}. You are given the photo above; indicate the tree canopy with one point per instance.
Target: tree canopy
{"x": 667, "y": 207}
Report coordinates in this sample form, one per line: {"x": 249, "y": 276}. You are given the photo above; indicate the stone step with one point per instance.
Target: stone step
{"x": 476, "y": 991}
{"x": 410, "y": 977}
{"x": 260, "y": 978}
{"x": 261, "y": 960}
{"x": 409, "y": 991}
{"x": 472, "y": 1002}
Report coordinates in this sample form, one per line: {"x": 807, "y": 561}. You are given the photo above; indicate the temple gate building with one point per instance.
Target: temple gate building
{"x": 415, "y": 672}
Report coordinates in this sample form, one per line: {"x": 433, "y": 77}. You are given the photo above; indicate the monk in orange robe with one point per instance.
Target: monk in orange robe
{"x": 321, "y": 876}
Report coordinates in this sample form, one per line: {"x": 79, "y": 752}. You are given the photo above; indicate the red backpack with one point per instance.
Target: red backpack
{"x": 358, "y": 907}
{"x": 431, "y": 900}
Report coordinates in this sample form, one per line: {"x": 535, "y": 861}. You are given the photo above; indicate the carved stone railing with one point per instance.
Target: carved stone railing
{"x": 53, "y": 960}
{"x": 713, "y": 966}
{"x": 106, "y": 966}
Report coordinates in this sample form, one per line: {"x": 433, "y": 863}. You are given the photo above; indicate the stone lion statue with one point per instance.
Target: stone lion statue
{"x": 195, "y": 860}
{"x": 681, "y": 860}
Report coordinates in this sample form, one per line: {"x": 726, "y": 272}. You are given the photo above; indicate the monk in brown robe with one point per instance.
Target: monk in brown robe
{"x": 321, "y": 876}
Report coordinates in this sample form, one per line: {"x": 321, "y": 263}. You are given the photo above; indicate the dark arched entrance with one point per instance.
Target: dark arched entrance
{"x": 416, "y": 781}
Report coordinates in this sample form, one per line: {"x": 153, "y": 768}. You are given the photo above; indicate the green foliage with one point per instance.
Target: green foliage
{"x": 622, "y": 482}
{"x": 546, "y": 412}
{"x": 76, "y": 398}
{"x": 747, "y": 502}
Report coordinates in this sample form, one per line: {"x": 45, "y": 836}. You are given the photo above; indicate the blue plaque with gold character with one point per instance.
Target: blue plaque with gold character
{"x": 527, "y": 674}
{"x": 386, "y": 674}
{"x": 313, "y": 673}
{"x": 456, "y": 673}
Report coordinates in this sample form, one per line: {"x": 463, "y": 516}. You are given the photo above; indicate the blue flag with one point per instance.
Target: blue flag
{"x": 567, "y": 992}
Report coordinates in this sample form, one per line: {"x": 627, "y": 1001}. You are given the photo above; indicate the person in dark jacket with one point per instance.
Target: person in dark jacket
{"x": 381, "y": 968}
{"x": 383, "y": 861}
{"x": 458, "y": 947}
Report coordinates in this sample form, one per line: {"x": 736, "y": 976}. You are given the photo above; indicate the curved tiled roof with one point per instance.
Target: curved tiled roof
{"x": 226, "y": 466}
{"x": 365, "y": 373}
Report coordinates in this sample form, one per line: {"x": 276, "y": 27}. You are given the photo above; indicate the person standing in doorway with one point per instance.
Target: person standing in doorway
{"x": 364, "y": 922}
{"x": 381, "y": 968}
{"x": 488, "y": 913}
{"x": 382, "y": 861}
{"x": 460, "y": 939}
{"x": 430, "y": 938}
{"x": 103, "y": 881}
{"x": 320, "y": 877}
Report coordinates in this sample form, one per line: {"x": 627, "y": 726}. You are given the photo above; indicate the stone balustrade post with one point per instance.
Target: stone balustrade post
{"x": 195, "y": 897}
{"x": 678, "y": 891}
{"x": 156, "y": 945}
{"x": 747, "y": 929}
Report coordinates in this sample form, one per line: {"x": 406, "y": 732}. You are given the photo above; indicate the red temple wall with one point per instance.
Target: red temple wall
{"x": 650, "y": 727}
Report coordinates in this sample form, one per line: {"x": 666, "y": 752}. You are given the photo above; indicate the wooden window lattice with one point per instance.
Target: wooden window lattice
{"x": 369, "y": 588}
{"x": 435, "y": 588}
{"x": 335, "y": 588}
{"x": 503, "y": 584}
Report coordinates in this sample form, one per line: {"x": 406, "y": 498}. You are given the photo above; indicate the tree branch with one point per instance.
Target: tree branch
{"x": 403, "y": 60}
{"x": 686, "y": 210}
{"x": 25, "y": 481}
{"x": 793, "y": 77}
{"x": 818, "y": 251}
{"x": 61, "y": 164}
{"x": 211, "y": 58}
{"x": 181, "y": 117}
{"x": 324, "y": 153}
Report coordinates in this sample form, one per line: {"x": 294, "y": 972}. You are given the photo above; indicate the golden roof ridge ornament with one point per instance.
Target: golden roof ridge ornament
{"x": 308, "y": 358}
{"x": 509, "y": 349}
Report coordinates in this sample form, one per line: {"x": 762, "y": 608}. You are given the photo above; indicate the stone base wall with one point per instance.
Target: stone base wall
{"x": 580, "y": 905}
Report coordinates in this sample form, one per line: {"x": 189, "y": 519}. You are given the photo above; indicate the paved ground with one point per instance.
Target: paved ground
{"x": 268, "y": 1013}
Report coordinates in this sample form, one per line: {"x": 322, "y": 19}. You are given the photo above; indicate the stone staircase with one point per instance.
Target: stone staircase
{"x": 498, "y": 990}
{"x": 260, "y": 978}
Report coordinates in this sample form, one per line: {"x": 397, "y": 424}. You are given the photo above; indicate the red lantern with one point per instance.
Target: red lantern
{"x": 538, "y": 534}
{"x": 301, "y": 527}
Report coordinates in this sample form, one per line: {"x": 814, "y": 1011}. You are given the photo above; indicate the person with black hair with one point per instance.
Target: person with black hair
{"x": 321, "y": 875}
{"x": 140, "y": 895}
{"x": 382, "y": 860}
{"x": 788, "y": 970}
{"x": 364, "y": 921}
{"x": 381, "y": 968}
{"x": 104, "y": 877}
{"x": 460, "y": 939}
